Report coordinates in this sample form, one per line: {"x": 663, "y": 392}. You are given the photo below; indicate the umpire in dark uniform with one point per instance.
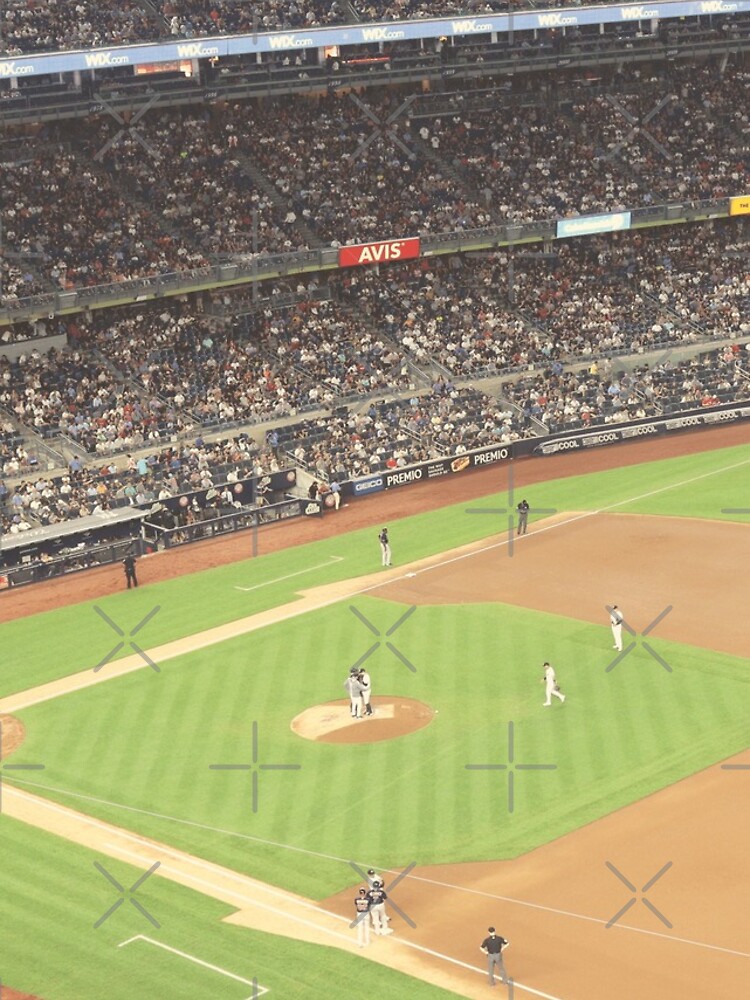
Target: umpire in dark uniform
{"x": 129, "y": 564}
{"x": 492, "y": 947}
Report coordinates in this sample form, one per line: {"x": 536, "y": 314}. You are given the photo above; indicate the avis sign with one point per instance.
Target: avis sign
{"x": 379, "y": 253}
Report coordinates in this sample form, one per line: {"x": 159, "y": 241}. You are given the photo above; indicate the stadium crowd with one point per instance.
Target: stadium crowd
{"x": 181, "y": 190}
{"x": 570, "y": 400}
{"x": 48, "y": 25}
{"x": 177, "y": 470}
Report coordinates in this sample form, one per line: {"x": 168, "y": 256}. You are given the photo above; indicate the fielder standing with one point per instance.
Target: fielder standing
{"x": 616, "y": 619}
{"x": 354, "y": 689}
{"x": 385, "y": 547}
{"x": 523, "y": 517}
{"x": 551, "y": 685}
{"x": 362, "y": 920}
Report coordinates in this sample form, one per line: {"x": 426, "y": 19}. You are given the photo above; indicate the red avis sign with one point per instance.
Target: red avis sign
{"x": 379, "y": 253}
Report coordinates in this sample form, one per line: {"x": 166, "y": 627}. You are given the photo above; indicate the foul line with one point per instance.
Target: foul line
{"x": 295, "y": 609}
{"x": 300, "y": 920}
{"x": 279, "y": 579}
{"x": 332, "y": 857}
{"x": 199, "y": 961}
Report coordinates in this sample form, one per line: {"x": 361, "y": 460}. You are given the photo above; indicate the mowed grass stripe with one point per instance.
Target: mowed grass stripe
{"x": 46, "y": 646}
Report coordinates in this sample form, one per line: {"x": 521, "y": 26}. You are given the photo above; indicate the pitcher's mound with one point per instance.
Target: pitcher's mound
{"x": 333, "y": 723}
{"x": 12, "y": 734}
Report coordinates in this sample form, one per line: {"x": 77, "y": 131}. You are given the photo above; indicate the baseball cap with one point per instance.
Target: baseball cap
{"x": 491, "y": 930}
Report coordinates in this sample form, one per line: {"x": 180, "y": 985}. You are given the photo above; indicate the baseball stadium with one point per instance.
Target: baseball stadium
{"x": 374, "y": 500}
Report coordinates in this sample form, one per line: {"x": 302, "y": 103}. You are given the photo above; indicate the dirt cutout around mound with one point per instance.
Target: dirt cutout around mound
{"x": 9, "y": 994}
{"x": 391, "y": 718}
{"x": 13, "y": 734}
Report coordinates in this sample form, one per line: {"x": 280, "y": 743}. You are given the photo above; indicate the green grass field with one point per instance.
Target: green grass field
{"x": 136, "y": 751}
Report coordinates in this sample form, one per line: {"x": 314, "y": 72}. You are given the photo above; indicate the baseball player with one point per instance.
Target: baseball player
{"x": 493, "y": 947}
{"x": 354, "y": 689}
{"x": 377, "y": 896}
{"x": 362, "y": 920}
{"x": 385, "y": 547}
{"x": 523, "y": 516}
{"x": 616, "y": 618}
{"x": 364, "y": 680}
{"x": 551, "y": 685}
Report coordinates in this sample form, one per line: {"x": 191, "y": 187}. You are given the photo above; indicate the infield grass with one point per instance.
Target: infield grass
{"x": 43, "y": 647}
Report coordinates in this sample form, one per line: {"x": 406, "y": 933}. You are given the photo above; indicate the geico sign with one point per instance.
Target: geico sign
{"x": 471, "y": 26}
{"x": 556, "y": 20}
{"x": 196, "y": 50}
{"x": 290, "y": 41}
{"x": 15, "y": 69}
{"x": 378, "y": 253}
{"x": 99, "y": 60}
{"x": 381, "y": 34}
{"x": 638, "y": 13}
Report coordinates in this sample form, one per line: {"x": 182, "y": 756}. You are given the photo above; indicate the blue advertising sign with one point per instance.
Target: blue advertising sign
{"x": 393, "y": 31}
{"x": 586, "y": 225}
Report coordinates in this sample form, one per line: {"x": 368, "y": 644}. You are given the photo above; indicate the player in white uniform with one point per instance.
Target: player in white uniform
{"x": 551, "y": 685}
{"x": 616, "y": 619}
{"x": 354, "y": 689}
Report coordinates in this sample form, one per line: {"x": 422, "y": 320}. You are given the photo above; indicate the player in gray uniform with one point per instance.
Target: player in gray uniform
{"x": 353, "y": 688}
{"x": 385, "y": 547}
{"x": 362, "y": 920}
{"x": 377, "y": 896}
